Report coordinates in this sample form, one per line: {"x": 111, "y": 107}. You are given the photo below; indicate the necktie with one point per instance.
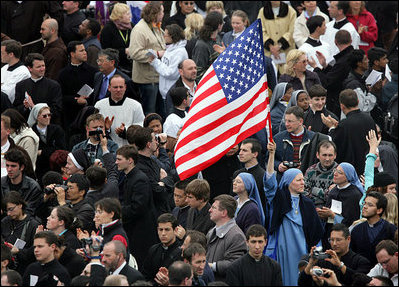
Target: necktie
{"x": 104, "y": 87}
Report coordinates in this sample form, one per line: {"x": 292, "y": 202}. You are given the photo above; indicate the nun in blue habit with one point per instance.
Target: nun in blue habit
{"x": 294, "y": 224}
{"x": 249, "y": 206}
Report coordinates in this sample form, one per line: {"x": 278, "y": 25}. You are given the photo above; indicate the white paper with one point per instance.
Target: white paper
{"x": 373, "y": 78}
{"x": 279, "y": 61}
{"x": 336, "y": 206}
{"x": 152, "y": 52}
{"x": 33, "y": 280}
{"x": 388, "y": 73}
{"x": 86, "y": 90}
{"x": 20, "y": 244}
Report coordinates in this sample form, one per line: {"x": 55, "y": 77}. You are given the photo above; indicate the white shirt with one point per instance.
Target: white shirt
{"x": 116, "y": 272}
{"x": 378, "y": 270}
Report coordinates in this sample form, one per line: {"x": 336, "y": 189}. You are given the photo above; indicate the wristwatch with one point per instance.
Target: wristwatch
{"x": 341, "y": 265}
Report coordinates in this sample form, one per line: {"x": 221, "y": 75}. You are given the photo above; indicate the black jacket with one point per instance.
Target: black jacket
{"x": 313, "y": 119}
{"x": 45, "y": 273}
{"x": 73, "y": 262}
{"x": 23, "y": 229}
{"x": 139, "y": 214}
{"x": 132, "y": 274}
{"x": 200, "y": 220}
{"x": 84, "y": 211}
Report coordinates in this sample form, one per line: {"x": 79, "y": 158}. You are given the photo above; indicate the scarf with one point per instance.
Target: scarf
{"x": 253, "y": 193}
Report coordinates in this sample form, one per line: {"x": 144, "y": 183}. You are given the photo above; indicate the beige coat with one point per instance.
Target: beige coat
{"x": 277, "y": 28}
{"x": 142, "y": 38}
{"x": 301, "y": 32}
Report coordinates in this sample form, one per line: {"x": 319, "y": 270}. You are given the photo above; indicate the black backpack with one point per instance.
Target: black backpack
{"x": 391, "y": 118}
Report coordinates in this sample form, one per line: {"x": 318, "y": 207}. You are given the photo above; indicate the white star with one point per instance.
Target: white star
{"x": 251, "y": 31}
{"x": 225, "y": 86}
{"x": 238, "y": 91}
{"x": 236, "y": 53}
{"x": 253, "y": 80}
{"x": 252, "y": 61}
{"x": 227, "y": 60}
{"x": 228, "y": 78}
{"x": 250, "y": 69}
{"x": 233, "y": 45}
{"x": 217, "y": 67}
{"x": 231, "y": 70}
{"x": 250, "y": 50}
{"x": 221, "y": 76}
{"x": 230, "y": 97}
{"x": 224, "y": 68}
{"x": 241, "y": 83}
{"x": 239, "y": 45}
{"x": 246, "y": 86}
{"x": 245, "y": 67}
{"x": 235, "y": 81}
{"x": 248, "y": 39}
{"x": 234, "y": 61}
{"x": 245, "y": 47}
{"x": 230, "y": 52}
{"x": 240, "y": 64}
{"x": 248, "y": 77}
{"x": 232, "y": 89}
{"x": 238, "y": 72}
{"x": 243, "y": 56}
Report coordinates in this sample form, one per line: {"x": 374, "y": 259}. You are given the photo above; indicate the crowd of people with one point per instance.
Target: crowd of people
{"x": 92, "y": 107}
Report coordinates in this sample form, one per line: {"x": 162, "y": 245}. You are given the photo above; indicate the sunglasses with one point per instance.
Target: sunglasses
{"x": 46, "y": 116}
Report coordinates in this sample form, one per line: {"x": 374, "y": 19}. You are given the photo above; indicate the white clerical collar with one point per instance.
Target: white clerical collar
{"x": 36, "y": 80}
{"x": 116, "y": 272}
{"x": 336, "y": 21}
{"x": 345, "y": 186}
{"x": 76, "y": 65}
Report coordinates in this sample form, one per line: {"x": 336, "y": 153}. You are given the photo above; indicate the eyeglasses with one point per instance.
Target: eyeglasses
{"x": 188, "y": 3}
{"x": 386, "y": 261}
{"x": 99, "y": 61}
{"x": 11, "y": 209}
{"x": 338, "y": 240}
{"x": 99, "y": 211}
{"x": 46, "y": 116}
{"x": 338, "y": 171}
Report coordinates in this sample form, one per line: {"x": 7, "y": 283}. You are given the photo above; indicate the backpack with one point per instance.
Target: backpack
{"x": 391, "y": 118}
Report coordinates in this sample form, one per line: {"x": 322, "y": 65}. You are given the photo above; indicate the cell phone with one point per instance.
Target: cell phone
{"x": 26, "y": 96}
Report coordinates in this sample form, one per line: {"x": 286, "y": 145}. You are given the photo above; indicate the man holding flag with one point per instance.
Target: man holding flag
{"x": 230, "y": 104}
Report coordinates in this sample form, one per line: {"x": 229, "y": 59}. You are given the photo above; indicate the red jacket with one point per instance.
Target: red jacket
{"x": 366, "y": 19}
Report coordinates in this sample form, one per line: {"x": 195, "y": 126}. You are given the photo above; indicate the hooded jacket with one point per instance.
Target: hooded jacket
{"x": 28, "y": 140}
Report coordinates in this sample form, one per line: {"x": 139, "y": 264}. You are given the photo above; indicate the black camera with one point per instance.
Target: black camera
{"x": 48, "y": 190}
{"x": 96, "y": 133}
{"x": 291, "y": 164}
{"x": 89, "y": 241}
{"x": 319, "y": 254}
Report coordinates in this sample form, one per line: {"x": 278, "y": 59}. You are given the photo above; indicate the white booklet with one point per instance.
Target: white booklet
{"x": 86, "y": 90}
{"x": 373, "y": 78}
{"x": 279, "y": 61}
{"x": 388, "y": 73}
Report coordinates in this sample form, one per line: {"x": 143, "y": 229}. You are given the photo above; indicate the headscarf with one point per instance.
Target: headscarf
{"x": 34, "y": 113}
{"x": 351, "y": 175}
{"x": 278, "y": 93}
{"x": 294, "y": 98}
{"x": 253, "y": 193}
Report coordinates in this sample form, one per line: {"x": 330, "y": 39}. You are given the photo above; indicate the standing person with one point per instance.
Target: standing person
{"x": 301, "y": 29}
{"x": 292, "y": 216}
{"x": 89, "y": 29}
{"x": 239, "y": 22}
{"x": 72, "y": 19}
{"x": 116, "y": 34}
{"x": 278, "y": 104}
{"x": 203, "y": 53}
{"x": 254, "y": 268}
{"x": 183, "y": 9}
{"x": 182, "y": 207}
{"x": 167, "y": 66}
{"x": 364, "y": 23}
{"x": 138, "y": 211}
{"x": 147, "y": 34}
{"x": 278, "y": 20}
{"x": 54, "y": 52}
{"x": 193, "y": 23}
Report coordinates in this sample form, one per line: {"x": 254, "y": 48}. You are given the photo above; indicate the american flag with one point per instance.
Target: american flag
{"x": 230, "y": 104}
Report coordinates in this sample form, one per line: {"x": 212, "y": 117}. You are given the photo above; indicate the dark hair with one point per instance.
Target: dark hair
{"x": 313, "y": 22}
{"x": 150, "y": 11}
{"x": 168, "y": 217}
{"x": 58, "y": 159}
{"x": 317, "y": 91}
{"x": 18, "y": 121}
{"x": 142, "y": 137}
{"x": 348, "y": 98}
{"x": 81, "y": 181}
{"x": 96, "y": 176}
{"x": 385, "y": 281}
{"x": 182, "y": 184}
{"x": 16, "y": 198}
{"x": 356, "y": 57}
{"x": 6, "y": 253}
{"x": 211, "y": 24}
{"x": 72, "y": 46}
{"x": 178, "y": 95}
{"x": 228, "y": 203}
{"x": 256, "y": 230}
{"x": 296, "y": 111}
{"x": 393, "y": 64}
{"x": 49, "y": 236}
{"x": 382, "y": 201}
{"x": 344, "y": 6}
{"x": 199, "y": 188}
{"x": 128, "y": 151}
{"x": 193, "y": 249}
{"x": 175, "y": 32}
{"x": 343, "y": 37}
{"x": 31, "y": 57}
{"x": 341, "y": 227}
{"x": 80, "y": 280}
{"x": 28, "y": 170}
{"x": 13, "y": 277}
{"x": 178, "y": 271}
{"x": 375, "y": 54}
{"x": 197, "y": 237}
{"x": 388, "y": 245}
{"x": 326, "y": 144}
{"x": 109, "y": 205}
{"x": 256, "y": 146}
{"x": 151, "y": 117}
{"x": 131, "y": 133}
{"x": 66, "y": 214}
{"x": 15, "y": 155}
{"x": 111, "y": 54}
{"x": 52, "y": 177}
{"x": 94, "y": 26}
{"x": 13, "y": 46}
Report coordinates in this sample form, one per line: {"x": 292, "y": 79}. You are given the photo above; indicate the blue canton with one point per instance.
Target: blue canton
{"x": 241, "y": 65}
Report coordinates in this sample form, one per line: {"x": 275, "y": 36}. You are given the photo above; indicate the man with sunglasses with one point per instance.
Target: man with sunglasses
{"x": 341, "y": 259}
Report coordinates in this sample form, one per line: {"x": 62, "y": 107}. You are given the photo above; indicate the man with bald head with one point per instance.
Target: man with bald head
{"x": 54, "y": 51}
{"x": 188, "y": 73}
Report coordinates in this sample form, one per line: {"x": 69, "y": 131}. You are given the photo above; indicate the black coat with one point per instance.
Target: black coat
{"x": 72, "y": 79}
{"x": 311, "y": 79}
{"x": 13, "y": 229}
{"x": 72, "y": 261}
{"x": 84, "y": 211}
{"x": 332, "y": 78}
{"x": 138, "y": 213}
{"x": 200, "y": 220}
{"x": 313, "y": 119}
{"x": 113, "y": 231}
{"x": 350, "y": 139}
{"x": 45, "y": 273}
{"x": 132, "y": 274}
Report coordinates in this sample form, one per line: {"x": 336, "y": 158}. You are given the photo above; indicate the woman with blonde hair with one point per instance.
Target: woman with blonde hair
{"x": 218, "y": 6}
{"x": 194, "y": 23}
{"x": 391, "y": 212}
{"x": 296, "y": 73}
{"x": 116, "y": 34}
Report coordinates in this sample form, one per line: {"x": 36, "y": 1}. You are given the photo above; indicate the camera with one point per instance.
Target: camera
{"x": 96, "y": 133}
{"x": 319, "y": 254}
{"x": 317, "y": 272}
{"x": 291, "y": 164}
{"x": 89, "y": 241}
{"x": 48, "y": 190}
